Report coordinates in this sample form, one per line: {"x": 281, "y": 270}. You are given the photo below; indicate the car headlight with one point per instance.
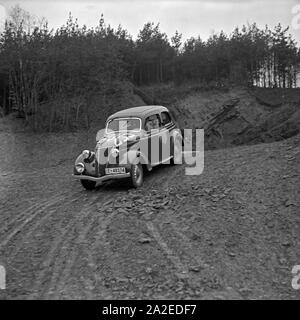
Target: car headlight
{"x": 79, "y": 167}
{"x": 86, "y": 154}
{"x": 114, "y": 152}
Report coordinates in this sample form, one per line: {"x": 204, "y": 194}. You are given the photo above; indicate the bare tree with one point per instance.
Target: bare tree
{"x": 21, "y": 19}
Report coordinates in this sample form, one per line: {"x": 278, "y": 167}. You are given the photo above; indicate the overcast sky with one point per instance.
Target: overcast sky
{"x": 190, "y": 17}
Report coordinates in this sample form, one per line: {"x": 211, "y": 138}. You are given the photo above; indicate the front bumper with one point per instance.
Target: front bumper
{"x": 102, "y": 178}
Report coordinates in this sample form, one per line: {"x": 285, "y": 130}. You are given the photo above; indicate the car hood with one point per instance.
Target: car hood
{"x": 116, "y": 139}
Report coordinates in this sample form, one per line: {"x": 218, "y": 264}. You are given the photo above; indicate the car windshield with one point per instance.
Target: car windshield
{"x": 124, "y": 124}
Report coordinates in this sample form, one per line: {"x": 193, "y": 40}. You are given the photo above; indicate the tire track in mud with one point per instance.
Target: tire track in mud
{"x": 55, "y": 254}
{"x": 37, "y": 225}
{"x": 59, "y": 282}
{"x": 189, "y": 264}
{"x": 189, "y": 268}
{"x": 100, "y": 238}
{"x": 110, "y": 258}
{"x": 58, "y": 244}
{"x": 27, "y": 218}
{"x": 155, "y": 232}
{"x": 57, "y": 266}
{"x": 35, "y": 206}
{"x": 185, "y": 242}
{"x": 105, "y": 221}
{"x": 182, "y": 240}
{"x": 174, "y": 244}
{"x": 171, "y": 255}
{"x": 59, "y": 277}
{"x": 27, "y": 241}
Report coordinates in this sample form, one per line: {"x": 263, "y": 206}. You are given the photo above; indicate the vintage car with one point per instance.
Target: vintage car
{"x": 134, "y": 140}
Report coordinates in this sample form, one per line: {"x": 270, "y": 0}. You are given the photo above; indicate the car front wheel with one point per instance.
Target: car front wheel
{"x": 137, "y": 175}
{"x": 88, "y": 184}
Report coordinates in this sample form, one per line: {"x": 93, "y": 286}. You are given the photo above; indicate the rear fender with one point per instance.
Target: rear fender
{"x": 176, "y": 134}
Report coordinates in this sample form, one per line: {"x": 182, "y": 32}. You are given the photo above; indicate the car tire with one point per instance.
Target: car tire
{"x": 177, "y": 152}
{"x": 137, "y": 175}
{"x": 88, "y": 184}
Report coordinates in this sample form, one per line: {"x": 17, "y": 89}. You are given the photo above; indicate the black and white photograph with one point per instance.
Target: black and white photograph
{"x": 149, "y": 150}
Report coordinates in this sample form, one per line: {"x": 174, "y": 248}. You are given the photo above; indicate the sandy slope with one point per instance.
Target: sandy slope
{"x": 232, "y": 232}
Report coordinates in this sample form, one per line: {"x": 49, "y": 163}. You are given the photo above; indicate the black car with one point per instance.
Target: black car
{"x": 134, "y": 140}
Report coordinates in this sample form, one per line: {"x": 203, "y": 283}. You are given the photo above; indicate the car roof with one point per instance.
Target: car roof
{"x": 140, "y": 112}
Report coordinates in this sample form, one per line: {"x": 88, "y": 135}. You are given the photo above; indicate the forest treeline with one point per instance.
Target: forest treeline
{"x": 40, "y": 67}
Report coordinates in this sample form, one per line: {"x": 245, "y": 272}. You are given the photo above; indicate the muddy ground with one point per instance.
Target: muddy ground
{"x": 231, "y": 233}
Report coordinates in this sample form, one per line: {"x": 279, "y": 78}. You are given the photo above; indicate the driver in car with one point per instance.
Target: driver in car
{"x": 152, "y": 124}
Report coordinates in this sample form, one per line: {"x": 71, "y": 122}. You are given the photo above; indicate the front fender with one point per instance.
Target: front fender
{"x": 135, "y": 156}
{"x": 90, "y": 166}
{"x": 130, "y": 157}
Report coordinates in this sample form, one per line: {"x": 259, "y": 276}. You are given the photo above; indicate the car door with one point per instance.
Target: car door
{"x": 153, "y": 128}
{"x": 166, "y": 127}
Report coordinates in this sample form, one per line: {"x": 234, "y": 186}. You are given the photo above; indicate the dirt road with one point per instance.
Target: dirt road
{"x": 231, "y": 233}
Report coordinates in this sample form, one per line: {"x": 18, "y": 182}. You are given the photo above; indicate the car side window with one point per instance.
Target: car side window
{"x": 165, "y": 118}
{"x": 152, "y": 122}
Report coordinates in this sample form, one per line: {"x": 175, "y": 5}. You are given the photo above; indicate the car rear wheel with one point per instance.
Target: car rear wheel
{"x": 88, "y": 184}
{"x": 137, "y": 175}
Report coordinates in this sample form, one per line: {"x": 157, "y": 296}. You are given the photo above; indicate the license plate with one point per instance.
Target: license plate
{"x": 115, "y": 170}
